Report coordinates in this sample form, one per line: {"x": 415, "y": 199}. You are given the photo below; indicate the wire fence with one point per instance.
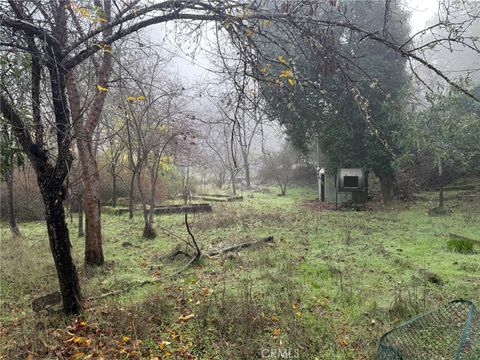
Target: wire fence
{"x": 450, "y": 332}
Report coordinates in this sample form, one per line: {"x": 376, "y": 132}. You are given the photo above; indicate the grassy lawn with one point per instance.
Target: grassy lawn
{"x": 328, "y": 287}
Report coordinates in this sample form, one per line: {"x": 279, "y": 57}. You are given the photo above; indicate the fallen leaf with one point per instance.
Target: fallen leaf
{"x": 342, "y": 341}
{"x": 78, "y": 339}
{"x": 186, "y": 317}
{"x": 163, "y": 344}
{"x": 205, "y": 291}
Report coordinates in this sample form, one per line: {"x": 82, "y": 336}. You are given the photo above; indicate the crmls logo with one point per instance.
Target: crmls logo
{"x": 280, "y": 353}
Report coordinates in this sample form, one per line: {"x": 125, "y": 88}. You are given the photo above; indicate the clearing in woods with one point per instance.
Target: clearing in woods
{"x": 328, "y": 287}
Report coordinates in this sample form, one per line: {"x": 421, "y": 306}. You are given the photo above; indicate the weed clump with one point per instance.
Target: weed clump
{"x": 463, "y": 246}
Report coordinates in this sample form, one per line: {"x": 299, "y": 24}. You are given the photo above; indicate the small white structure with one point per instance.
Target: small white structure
{"x": 344, "y": 185}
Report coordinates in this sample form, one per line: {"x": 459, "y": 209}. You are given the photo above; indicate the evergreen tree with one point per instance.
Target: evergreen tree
{"x": 344, "y": 91}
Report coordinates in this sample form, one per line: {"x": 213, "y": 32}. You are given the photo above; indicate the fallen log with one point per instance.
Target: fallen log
{"x": 218, "y": 198}
{"x": 211, "y": 199}
{"x": 183, "y": 209}
{"x": 267, "y": 240}
{"x": 214, "y": 195}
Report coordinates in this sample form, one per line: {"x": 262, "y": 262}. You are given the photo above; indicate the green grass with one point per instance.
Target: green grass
{"x": 331, "y": 284}
{"x": 463, "y": 246}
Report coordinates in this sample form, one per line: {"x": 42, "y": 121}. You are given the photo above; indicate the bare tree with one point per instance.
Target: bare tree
{"x": 153, "y": 128}
{"x": 113, "y": 148}
{"x": 245, "y": 115}
{"x": 280, "y": 167}
{"x": 219, "y": 139}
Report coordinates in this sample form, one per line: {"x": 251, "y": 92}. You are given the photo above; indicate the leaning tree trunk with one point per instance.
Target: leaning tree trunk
{"x": 90, "y": 179}
{"x": 11, "y": 206}
{"x": 60, "y": 247}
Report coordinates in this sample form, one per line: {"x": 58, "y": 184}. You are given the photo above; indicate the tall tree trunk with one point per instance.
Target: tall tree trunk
{"x": 387, "y": 186}
{"x": 84, "y": 134}
{"x": 50, "y": 178}
{"x": 81, "y": 233}
{"x": 91, "y": 196}
{"x": 60, "y": 247}
{"x": 90, "y": 178}
{"x": 440, "y": 176}
{"x": 11, "y": 206}
{"x": 247, "y": 175}
{"x": 186, "y": 186}
{"x": 114, "y": 189}
{"x": 130, "y": 195}
{"x": 221, "y": 179}
{"x": 247, "y": 168}
{"x": 232, "y": 182}
{"x": 148, "y": 230}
